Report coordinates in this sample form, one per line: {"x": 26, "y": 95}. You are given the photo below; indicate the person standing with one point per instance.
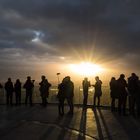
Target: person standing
{"x": 69, "y": 90}
{"x": 85, "y": 85}
{"x": 98, "y": 91}
{"x": 29, "y": 85}
{"x": 138, "y": 100}
{"x": 9, "y": 91}
{"x": 1, "y": 86}
{"x": 17, "y": 88}
{"x": 132, "y": 89}
{"x": 122, "y": 84}
{"x": 113, "y": 92}
{"x": 44, "y": 90}
{"x": 61, "y": 96}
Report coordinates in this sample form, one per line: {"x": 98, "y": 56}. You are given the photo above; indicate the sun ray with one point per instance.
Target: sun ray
{"x": 86, "y": 68}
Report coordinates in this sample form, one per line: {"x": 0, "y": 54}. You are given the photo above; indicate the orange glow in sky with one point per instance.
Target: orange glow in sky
{"x": 86, "y": 68}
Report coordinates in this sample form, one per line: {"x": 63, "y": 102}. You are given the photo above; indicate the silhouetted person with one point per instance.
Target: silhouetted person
{"x": 98, "y": 91}
{"x": 1, "y": 85}
{"x": 122, "y": 84}
{"x": 61, "y": 96}
{"x": 138, "y": 99}
{"x": 29, "y": 85}
{"x": 86, "y": 85}
{"x": 69, "y": 88}
{"x": 9, "y": 91}
{"x": 44, "y": 90}
{"x": 113, "y": 92}
{"x": 133, "y": 90}
{"x": 17, "y": 88}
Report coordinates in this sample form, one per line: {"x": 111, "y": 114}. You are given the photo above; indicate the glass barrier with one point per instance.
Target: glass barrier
{"x": 78, "y": 95}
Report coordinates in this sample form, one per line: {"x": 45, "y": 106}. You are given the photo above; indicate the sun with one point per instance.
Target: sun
{"x": 86, "y": 68}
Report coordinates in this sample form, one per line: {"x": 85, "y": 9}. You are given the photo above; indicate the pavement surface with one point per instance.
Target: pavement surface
{"x": 38, "y": 123}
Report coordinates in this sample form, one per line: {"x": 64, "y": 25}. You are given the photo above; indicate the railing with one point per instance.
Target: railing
{"x": 78, "y": 96}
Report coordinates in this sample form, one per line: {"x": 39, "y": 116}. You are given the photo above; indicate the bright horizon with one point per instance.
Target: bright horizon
{"x": 77, "y": 38}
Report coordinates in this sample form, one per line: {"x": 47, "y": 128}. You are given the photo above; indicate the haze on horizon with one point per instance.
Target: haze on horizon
{"x": 43, "y": 37}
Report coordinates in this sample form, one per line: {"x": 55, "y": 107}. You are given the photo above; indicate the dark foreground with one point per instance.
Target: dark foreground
{"x": 37, "y": 123}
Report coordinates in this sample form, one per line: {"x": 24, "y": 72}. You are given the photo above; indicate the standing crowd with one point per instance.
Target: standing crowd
{"x": 120, "y": 90}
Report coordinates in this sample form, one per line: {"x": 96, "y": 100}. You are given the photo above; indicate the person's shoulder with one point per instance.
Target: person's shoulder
{"x": 129, "y": 78}
{"x": 100, "y": 81}
{"x": 71, "y": 83}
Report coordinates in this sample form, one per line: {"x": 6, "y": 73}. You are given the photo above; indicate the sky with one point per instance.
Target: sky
{"x": 44, "y": 36}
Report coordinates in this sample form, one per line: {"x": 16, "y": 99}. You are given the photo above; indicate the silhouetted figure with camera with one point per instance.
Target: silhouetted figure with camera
{"x": 69, "y": 88}
{"x": 29, "y": 85}
{"x": 98, "y": 91}
{"x": 85, "y": 85}
{"x": 61, "y": 96}
{"x": 122, "y": 84}
{"x": 113, "y": 92}
{"x": 9, "y": 88}
{"x": 133, "y": 90}
{"x": 44, "y": 90}
{"x": 17, "y": 88}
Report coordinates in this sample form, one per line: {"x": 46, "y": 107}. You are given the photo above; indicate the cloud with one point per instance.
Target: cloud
{"x": 37, "y": 30}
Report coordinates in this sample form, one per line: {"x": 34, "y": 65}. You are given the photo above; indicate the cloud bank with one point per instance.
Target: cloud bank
{"x": 35, "y": 32}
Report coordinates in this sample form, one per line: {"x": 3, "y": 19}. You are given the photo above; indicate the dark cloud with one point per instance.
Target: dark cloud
{"x": 34, "y": 30}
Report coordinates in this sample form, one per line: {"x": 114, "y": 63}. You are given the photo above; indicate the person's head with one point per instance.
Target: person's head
{"x": 67, "y": 78}
{"x": 9, "y": 79}
{"x": 113, "y": 79}
{"x": 122, "y": 76}
{"x": 64, "y": 80}
{"x": 86, "y": 79}
{"x": 97, "y": 78}
{"x": 28, "y": 78}
{"x": 17, "y": 80}
{"x": 133, "y": 75}
{"x": 43, "y": 77}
